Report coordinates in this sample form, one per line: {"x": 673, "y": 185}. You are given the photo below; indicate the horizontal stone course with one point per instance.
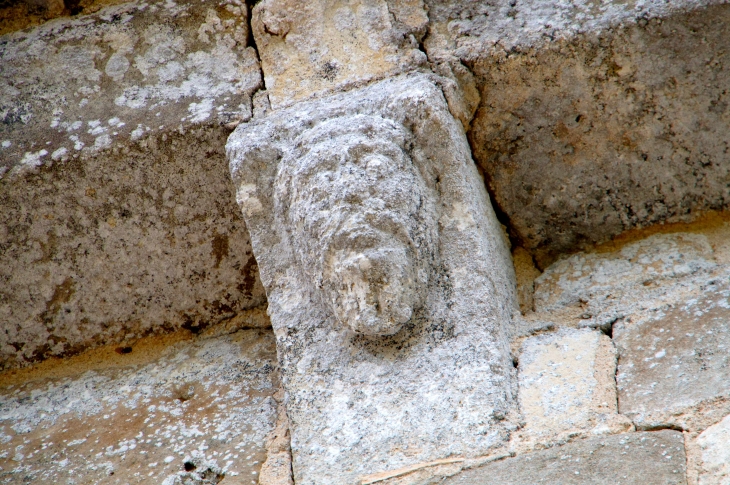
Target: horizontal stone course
{"x": 117, "y": 217}
{"x": 675, "y": 358}
{"x": 155, "y": 412}
{"x": 648, "y": 458}
{"x": 114, "y": 247}
{"x": 595, "y": 122}
{"x": 597, "y": 288}
{"x": 75, "y": 86}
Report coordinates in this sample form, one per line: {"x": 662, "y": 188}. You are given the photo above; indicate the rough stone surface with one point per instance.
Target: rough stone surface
{"x": 21, "y": 14}
{"x": 567, "y": 384}
{"x": 276, "y": 470}
{"x": 473, "y": 30}
{"x": 392, "y": 295}
{"x": 675, "y": 358}
{"x": 112, "y": 247}
{"x": 648, "y": 458}
{"x": 117, "y": 216}
{"x": 309, "y": 48}
{"x": 388, "y": 279}
{"x": 75, "y": 86}
{"x": 140, "y": 414}
{"x": 594, "y": 120}
{"x": 714, "y": 444}
{"x": 664, "y": 298}
{"x": 598, "y": 288}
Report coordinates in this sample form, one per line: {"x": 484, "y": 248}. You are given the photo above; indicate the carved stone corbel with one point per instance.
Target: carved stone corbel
{"x": 389, "y": 280}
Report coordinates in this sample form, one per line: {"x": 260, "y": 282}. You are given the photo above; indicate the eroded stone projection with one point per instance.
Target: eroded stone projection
{"x": 363, "y": 223}
{"x": 388, "y": 277}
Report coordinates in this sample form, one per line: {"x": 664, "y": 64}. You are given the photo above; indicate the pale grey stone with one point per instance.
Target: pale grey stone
{"x": 567, "y": 384}
{"x": 175, "y": 414}
{"x": 363, "y": 222}
{"x": 389, "y": 282}
{"x": 596, "y": 289}
{"x": 675, "y": 358}
{"x": 714, "y": 444}
{"x": 649, "y": 458}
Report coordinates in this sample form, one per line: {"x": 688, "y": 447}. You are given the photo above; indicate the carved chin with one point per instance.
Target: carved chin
{"x": 367, "y": 320}
{"x": 375, "y": 294}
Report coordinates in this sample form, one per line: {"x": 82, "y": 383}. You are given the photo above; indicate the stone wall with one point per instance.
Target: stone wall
{"x": 364, "y": 241}
{"x": 118, "y": 215}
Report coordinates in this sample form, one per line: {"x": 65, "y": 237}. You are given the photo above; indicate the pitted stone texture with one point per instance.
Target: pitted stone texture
{"x": 139, "y": 416}
{"x": 472, "y": 29}
{"x": 441, "y": 386}
{"x": 312, "y": 47}
{"x": 714, "y": 445}
{"x": 364, "y": 223}
{"x": 116, "y": 215}
{"x": 594, "y": 120}
{"x": 567, "y": 384}
{"x": 656, "y": 458}
{"x": 76, "y": 86}
{"x": 132, "y": 241}
{"x": 598, "y": 288}
{"x": 674, "y": 358}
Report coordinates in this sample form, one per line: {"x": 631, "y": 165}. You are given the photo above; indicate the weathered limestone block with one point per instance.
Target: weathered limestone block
{"x": 113, "y": 247}
{"x": 567, "y": 384}
{"x": 594, "y": 119}
{"x": 172, "y": 414}
{"x": 472, "y": 29}
{"x": 389, "y": 282}
{"x": 675, "y": 358}
{"x": 598, "y": 288}
{"x": 656, "y": 458}
{"x": 714, "y": 444}
{"x": 117, "y": 214}
{"x": 75, "y": 86}
{"x": 308, "y": 48}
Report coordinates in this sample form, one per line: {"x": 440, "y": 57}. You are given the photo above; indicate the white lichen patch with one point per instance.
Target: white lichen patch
{"x": 134, "y": 60}
{"x": 475, "y": 30}
{"x": 206, "y": 402}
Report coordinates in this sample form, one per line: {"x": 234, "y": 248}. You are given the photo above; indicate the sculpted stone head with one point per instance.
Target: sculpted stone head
{"x": 360, "y": 220}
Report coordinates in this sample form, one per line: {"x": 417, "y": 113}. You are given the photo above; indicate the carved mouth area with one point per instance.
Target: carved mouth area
{"x": 372, "y": 291}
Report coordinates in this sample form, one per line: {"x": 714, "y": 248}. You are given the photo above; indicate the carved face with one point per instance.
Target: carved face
{"x": 358, "y": 218}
